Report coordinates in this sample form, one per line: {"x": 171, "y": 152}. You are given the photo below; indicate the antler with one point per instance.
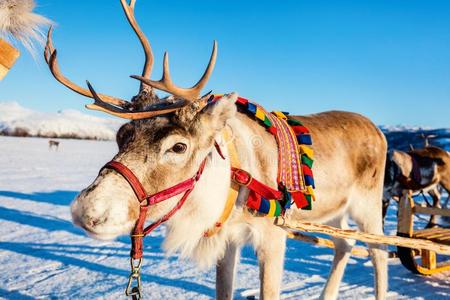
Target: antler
{"x": 50, "y": 57}
{"x": 129, "y": 12}
{"x": 119, "y": 107}
{"x": 166, "y": 84}
{"x": 153, "y": 110}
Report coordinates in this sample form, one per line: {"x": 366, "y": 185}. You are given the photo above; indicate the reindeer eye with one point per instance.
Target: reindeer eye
{"x": 179, "y": 148}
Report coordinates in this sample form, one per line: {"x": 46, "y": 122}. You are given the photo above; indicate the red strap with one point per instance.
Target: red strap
{"x": 172, "y": 191}
{"x": 139, "y": 232}
{"x": 242, "y": 177}
{"x": 134, "y": 182}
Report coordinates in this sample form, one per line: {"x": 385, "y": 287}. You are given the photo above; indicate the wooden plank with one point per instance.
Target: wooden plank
{"x": 3, "y": 71}
{"x": 357, "y": 251}
{"x": 438, "y": 235}
{"x": 405, "y": 215}
{"x": 311, "y": 239}
{"x": 429, "y": 260}
{"x": 363, "y": 236}
{"x": 432, "y": 211}
{"x": 432, "y": 232}
{"x": 9, "y": 54}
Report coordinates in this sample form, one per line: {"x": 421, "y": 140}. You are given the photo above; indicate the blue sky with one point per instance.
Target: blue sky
{"x": 389, "y": 60}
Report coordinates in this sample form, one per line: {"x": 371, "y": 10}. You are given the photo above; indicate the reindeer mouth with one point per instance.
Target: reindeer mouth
{"x": 100, "y": 228}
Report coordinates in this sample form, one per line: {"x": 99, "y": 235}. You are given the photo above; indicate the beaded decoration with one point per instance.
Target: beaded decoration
{"x": 295, "y": 159}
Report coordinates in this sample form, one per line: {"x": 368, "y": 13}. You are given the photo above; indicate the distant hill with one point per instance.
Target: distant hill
{"x": 401, "y": 137}
{"x": 16, "y": 120}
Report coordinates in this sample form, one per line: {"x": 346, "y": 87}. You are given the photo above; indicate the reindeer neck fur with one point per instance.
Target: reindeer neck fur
{"x": 257, "y": 152}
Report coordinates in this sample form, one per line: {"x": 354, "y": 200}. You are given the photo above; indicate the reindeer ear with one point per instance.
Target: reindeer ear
{"x": 125, "y": 134}
{"x": 216, "y": 114}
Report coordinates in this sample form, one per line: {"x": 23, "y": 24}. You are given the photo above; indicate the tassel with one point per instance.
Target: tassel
{"x": 242, "y": 101}
{"x": 304, "y": 139}
{"x": 299, "y": 199}
{"x": 267, "y": 122}
{"x": 251, "y": 107}
{"x": 309, "y": 206}
{"x": 307, "y": 161}
{"x": 307, "y": 151}
{"x": 272, "y": 130}
{"x": 300, "y": 129}
{"x": 307, "y": 171}
{"x": 280, "y": 115}
{"x": 253, "y": 201}
{"x": 310, "y": 191}
{"x": 260, "y": 114}
{"x": 294, "y": 122}
{"x": 309, "y": 180}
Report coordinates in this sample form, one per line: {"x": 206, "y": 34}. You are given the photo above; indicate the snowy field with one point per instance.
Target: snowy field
{"x": 43, "y": 256}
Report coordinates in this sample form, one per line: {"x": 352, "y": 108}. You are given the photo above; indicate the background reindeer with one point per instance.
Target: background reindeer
{"x": 169, "y": 137}
{"x": 53, "y": 143}
{"x": 418, "y": 170}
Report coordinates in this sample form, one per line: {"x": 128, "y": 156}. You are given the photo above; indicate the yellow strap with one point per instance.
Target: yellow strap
{"x": 234, "y": 189}
{"x": 272, "y": 208}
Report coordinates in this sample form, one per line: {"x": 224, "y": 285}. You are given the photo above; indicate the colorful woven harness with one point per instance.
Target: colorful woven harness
{"x": 295, "y": 158}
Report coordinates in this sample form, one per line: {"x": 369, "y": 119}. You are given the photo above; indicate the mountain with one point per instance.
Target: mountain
{"x": 401, "y": 137}
{"x": 17, "y": 120}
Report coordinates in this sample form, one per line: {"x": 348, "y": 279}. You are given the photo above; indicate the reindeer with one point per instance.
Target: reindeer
{"x": 53, "y": 143}
{"x": 168, "y": 140}
{"x": 418, "y": 170}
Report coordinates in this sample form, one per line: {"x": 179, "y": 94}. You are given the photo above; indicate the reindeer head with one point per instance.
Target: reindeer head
{"x": 164, "y": 143}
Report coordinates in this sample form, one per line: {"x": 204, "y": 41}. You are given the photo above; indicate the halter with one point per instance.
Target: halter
{"x": 239, "y": 177}
{"x": 146, "y": 200}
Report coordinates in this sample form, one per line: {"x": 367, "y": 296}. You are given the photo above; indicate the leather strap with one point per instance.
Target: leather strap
{"x": 139, "y": 232}
{"x": 134, "y": 182}
{"x": 233, "y": 191}
{"x": 242, "y": 177}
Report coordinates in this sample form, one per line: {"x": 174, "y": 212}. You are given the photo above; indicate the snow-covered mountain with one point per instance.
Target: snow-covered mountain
{"x": 20, "y": 121}
{"x": 403, "y": 137}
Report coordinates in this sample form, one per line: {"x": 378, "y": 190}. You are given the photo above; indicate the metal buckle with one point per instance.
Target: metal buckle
{"x": 234, "y": 178}
{"x": 135, "y": 274}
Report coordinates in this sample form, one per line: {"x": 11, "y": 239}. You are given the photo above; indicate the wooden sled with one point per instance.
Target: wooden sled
{"x": 427, "y": 265}
{"x": 425, "y": 243}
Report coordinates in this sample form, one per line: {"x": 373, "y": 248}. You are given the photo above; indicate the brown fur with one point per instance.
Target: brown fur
{"x": 426, "y": 158}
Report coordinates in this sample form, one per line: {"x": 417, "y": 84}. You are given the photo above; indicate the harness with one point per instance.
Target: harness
{"x": 262, "y": 198}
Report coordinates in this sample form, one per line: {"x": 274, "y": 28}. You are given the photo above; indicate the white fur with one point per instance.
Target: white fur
{"x": 18, "y": 21}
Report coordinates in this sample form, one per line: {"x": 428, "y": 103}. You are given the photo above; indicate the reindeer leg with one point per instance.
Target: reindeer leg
{"x": 437, "y": 204}
{"x": 270, "y": 252}
{"x": 225, "y": 271}
{"x": 386, "y": 203}
{"x": 368, "y": 216}
{"x": 342, "y": 252}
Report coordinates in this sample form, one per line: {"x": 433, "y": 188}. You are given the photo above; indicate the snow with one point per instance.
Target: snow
{"x": 42, "y": 255}
{"x": 402, "y": 127}
{"x": 66, "y": 123}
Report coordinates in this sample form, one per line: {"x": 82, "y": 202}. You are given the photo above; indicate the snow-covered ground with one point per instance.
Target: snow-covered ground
{"x": 42, "y": 255}
{"x": 15, "y": 118}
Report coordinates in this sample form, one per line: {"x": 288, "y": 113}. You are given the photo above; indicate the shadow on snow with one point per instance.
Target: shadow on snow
{"x": 55, "y": 197}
